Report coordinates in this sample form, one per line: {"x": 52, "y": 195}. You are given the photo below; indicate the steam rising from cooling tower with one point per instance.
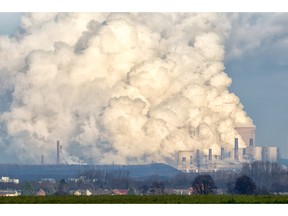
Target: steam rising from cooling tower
{"x": 123, "y": 88}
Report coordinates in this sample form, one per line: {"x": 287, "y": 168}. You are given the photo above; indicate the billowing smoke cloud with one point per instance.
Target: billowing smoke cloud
{"x": 122, "y": 88}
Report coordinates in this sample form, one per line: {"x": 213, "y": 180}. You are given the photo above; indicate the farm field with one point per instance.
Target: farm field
{"x": 150, "y": 199}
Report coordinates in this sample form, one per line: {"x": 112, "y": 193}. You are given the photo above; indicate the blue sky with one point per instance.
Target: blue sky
{"x": 9, "y": 22}
{"x": 257, "y": 61}
{"x": 259, "y": 72}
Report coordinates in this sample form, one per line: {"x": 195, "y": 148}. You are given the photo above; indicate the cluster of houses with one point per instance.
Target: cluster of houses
{"x": 6, "y": 179}
{"x": 79, "y": 192}
{"x": 99, "y": 191}
{"x": 10, "y": 193}
{"x": 92, "y": 192}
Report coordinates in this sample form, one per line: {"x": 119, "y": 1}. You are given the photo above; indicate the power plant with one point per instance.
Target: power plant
{"x": 203, "y": 160}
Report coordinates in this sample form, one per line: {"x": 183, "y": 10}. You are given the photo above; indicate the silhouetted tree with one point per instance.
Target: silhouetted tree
{"x": 144, "y": 188}
{"x": 157, "y": 188}
{"x": 203, "y": 184}
{"x": 244, "y": 185}
{"x": 28, "y": 189}
{"x": 181, "y": 180}
{"x": 231, "y": 187}
{"x": 62, "y": 188}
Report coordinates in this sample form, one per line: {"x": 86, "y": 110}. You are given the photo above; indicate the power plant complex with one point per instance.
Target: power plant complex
{"x": 207, "y": 160}
{"x": 203, "y": 160}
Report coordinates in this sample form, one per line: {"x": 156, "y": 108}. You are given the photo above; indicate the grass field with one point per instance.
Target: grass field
{"x": 157, "y": 199}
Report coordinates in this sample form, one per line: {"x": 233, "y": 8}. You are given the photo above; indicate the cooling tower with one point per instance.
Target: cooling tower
{"x": 257, "y": 153}
{"x": 270, "y": 154}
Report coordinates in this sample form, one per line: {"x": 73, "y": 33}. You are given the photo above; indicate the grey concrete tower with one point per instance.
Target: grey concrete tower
{"x": 210, "y": 154}
{"x": 59, "y": 147}
{"x": 222, "y": 154}
{"x": 236, "y": 155}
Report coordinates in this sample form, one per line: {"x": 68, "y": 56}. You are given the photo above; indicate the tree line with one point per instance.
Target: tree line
{"x": 254, "y": 178}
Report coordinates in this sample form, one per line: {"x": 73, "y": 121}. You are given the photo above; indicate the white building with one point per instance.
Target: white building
{"x": 9, "y": 193}
{"x": 6, "y": 179}
{"x": 270, "y": 154}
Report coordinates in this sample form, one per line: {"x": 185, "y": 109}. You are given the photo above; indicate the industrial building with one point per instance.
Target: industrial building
{"x": 6, "y": 179}
{"x": 203, "y": 160}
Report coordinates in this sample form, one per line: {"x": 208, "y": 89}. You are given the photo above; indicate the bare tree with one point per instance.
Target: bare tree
{"x": 203, "y": 184}
{"x": 264, "y": 173}
{"x": 62, "y": 188}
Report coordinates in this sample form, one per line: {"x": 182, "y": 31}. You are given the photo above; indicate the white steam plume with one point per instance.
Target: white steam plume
{"x": 123, "y": 88}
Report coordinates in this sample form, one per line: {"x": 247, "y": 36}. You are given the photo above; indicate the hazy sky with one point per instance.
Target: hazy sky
{"x": 256, "y": 58}
{"x": 257, "y": 61}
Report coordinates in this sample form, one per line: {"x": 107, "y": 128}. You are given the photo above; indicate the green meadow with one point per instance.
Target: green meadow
{"x": 148, "y": 199}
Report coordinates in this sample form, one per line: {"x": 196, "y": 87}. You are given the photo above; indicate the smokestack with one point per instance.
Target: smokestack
{"x": 244, "y": 151}
{"x": 42, "y": 159}
{"x": 210, "y": 154}
{"x": 197, "y": 154}
{"x": 198, "y": 158}
{"x": 58, "y": 152}
{"x": 222, "y": 154}
{"x": 236, "y": 156}
{"x": 184, "y": 162}
{"x": 251, "y": 143}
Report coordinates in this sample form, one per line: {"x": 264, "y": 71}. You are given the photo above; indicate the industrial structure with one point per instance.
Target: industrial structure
{"x": 203, "y": 160}
{"x": 42, "y": 159}
{"x": 59, "y": 148}
{"x": 58, "y": 154}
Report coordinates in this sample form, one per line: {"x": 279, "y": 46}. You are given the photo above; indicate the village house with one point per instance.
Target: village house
{"x": 9, "y": 193}
{"x": 80, "y": 192}
{"x": 119, "y": 192}
{"x": 41, "y": 193}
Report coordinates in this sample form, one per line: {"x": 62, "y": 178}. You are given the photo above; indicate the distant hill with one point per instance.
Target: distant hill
{"x": 36, "y": 172}
{"x": 159, "y": 169}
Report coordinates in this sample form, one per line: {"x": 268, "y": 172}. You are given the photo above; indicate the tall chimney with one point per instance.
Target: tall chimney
{"x": 222, "y": 154}
{"x": 210, "y": 154}
{"x": 58, "y": 152}
{"x": 251, "y": 143}
{"x": 236, "y": 156}
{"x": 42, "y": 159}
{"x": 244, "y": 151}
{"x": 198, "y": 158}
